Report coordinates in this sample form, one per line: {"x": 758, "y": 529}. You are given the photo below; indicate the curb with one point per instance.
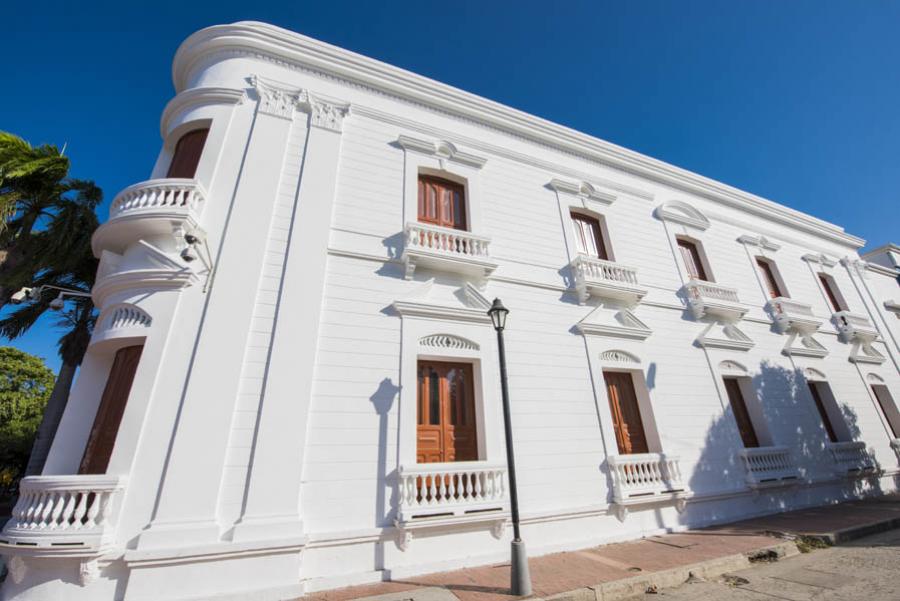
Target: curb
{"x": 638, "y": 585}
{"x": 854, "y": 532}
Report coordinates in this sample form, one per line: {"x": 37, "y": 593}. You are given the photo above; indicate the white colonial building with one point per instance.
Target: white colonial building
{"x": 293, "y": 384}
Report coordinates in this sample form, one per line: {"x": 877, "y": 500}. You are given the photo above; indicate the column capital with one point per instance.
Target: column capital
{"x": 326, "y": 114}
{"x": 275, "y": 100}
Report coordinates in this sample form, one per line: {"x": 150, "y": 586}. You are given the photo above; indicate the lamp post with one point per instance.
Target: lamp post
{"x": 520, "y": 580}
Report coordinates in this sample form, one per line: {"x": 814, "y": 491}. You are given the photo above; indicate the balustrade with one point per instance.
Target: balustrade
{"x": 604, "y": 278}
{"x": 458, "y": 488}
{"x": 851, "y": 458}
{"x": 645, "y": 476}
{"x": 793, "y": 315}
{"x": 768, "y": 466}
{"x": 707, "y": 298}
{"x": 446, "y": 249}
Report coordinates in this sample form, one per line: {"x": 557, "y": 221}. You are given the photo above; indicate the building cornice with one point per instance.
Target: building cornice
{"x": 298, "y": 51}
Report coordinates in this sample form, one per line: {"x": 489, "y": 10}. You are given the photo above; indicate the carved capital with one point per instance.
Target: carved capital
{"x": 404, "y": 538}
{"x": 274, "y": 100}
{"x": 327, "y": 115}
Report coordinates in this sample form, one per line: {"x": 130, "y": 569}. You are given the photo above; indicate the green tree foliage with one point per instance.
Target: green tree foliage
{"x": 25, "y": 385}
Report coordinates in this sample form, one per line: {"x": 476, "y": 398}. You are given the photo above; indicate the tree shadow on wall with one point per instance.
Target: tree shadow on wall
{"x": 792, "y": 420}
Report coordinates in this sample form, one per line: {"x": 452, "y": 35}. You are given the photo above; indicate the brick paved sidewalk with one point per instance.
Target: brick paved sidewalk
{"x": 561, "y": 572}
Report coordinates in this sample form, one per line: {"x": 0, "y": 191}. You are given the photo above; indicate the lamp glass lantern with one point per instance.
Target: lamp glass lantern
{"x": 498, "y": 315}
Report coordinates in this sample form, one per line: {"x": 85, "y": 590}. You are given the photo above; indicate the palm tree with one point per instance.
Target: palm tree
{"x": 32, "y": 181}
{"x": 45, "y": 240}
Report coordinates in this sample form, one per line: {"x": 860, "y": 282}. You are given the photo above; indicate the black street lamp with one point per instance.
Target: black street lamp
{"x": 520, "y": 580}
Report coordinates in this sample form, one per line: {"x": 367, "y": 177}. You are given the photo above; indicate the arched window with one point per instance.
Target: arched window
{"x": 187, "y": 154}
{"x": 589, "y": 236}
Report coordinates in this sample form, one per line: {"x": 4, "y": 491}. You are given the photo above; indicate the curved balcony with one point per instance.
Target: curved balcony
{"x": 446, "y": 249}
{"x": 709, "y": 299}
{"x": 851, "y": 458}
{"x": 792, "y": 315}
{"x": 153, "y": 208}
{"x": 605, "y": 279}
{"x": 646, "y": 478}
{"x": 64, "y": 515}
{"x": 769, "y": 467}
{"x": 853, "y": 327}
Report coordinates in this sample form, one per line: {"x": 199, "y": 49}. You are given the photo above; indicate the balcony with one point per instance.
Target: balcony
{"x": 149, "y": 209}
{"x": 646, "y": 478}
{"x": 446, "y": 249}
{"x": 605, "y": 279}
{"x": 851, "y": 458}
{"x": 768, "y": 467}
{"x": 64, "y": 515}
{"x": 709, "y": 299}
{"x": 792, "y": 315}
{"x": 854, "y": 328}
{"x": 460, "y": 488}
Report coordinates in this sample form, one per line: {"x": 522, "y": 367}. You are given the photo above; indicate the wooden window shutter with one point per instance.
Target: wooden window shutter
{"x": 589, "y": 236}
{"x": 442, "y": 202}
{"x": 830, "y": 291}
{"x": 187, "y": 154}
{"x": 741, "y": 415}
{"x": 692, "y": 262}
{"x": 768, "y": 275}
{"x": 109, "y": 414}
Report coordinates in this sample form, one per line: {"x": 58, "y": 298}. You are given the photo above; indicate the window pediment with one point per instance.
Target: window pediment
{"x": 447, "y": 341}
{"x": 683, "y": 213}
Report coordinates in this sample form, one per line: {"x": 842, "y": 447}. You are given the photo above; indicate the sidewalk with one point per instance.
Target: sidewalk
{"x": 612, "y": 571}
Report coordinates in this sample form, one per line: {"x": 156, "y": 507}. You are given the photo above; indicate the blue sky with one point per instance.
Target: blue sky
{"x": 795, "y": 101}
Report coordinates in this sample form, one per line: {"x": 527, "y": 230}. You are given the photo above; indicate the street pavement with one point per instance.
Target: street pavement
{"x": 865, "y": 569}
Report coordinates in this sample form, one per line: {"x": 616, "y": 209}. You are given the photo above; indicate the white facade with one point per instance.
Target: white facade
{"x": 269, "y": 442}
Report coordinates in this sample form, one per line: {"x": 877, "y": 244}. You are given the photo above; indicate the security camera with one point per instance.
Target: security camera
{"x": 188, "y": 254}
{"x": 58, "y": 303}
{"x": 195, "y": 237}
{"x": 22, "y": 295}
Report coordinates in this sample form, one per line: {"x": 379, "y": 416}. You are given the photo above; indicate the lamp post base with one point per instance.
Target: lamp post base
{"x": 520, "y": 581}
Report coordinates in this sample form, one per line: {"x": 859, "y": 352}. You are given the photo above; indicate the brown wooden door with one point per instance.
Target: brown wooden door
{"x": 623, "y": 404}
{"x": 692, "y": 262}
{"x": 187, "y": 154}
{"x": 442, "y": 202}
{"x": 831, "y": 292}
{"x": 446, "y": 428}
{"x": 888, "y": 407}
{"x": 823, "y": 413}
{"x": 768, "y": 275}
{"x": 109, "y": 414}
{"x": 741, "y": 415}
{"x": 589, "y": 236}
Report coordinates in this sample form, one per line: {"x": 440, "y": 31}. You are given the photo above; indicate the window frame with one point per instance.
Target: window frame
{"x": 441, "y": 182}
{"x": 770, "y": 276}
{"x": 701, "y": 258}
{"x": 597, "y": 222}
{"x": 182, "y": 138}
{"x": 834, "y": 298}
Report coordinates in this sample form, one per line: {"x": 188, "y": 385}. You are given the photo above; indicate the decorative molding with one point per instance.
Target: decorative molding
{"x": 615, "y": 323}
{"x": 759, "y": 241}
{"x": 195, "y": 97}
{"x": 157, "y": 271}
{"x": 448, "y": 341}
{"x": 404, "y": 538}
{"x": 804, "y": 345}
{"x": 812, "y": 374}
{"x": 583, "y": 190}
{"x": 88, "y": 572}
{"x": 17, "y": 569}
{"x": 275, "y": 100}
{"x": 683, "y": 213}
{"x": 441, "y": 149}
{"x": 732, "y": 367}
{"x": 874, "y": 378}
{"x": 819, "y": 258}
{"x": 300, "y": 53}
{"x": 617, "y": 356}
{"x": 863, "y": 352}
{"x": 729, "y": 337}
{"x": 327, "y": 115}
{"x": 892, "y": 306}
{"x": 410, "y": 308}
{"x": 475, "y": 298}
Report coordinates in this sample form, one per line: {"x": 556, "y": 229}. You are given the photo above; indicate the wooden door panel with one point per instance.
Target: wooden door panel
{"x": 446, "y": 413}
{"x": 741, "y": 414}
{"x": 103, "y": 434}
{"x": 623, "y": 404}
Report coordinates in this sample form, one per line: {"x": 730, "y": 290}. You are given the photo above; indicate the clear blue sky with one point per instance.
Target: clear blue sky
{"x": 796, "y": 101}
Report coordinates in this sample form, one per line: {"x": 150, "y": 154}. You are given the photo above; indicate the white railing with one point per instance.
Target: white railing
{"x": 457, "y": 488}
{"x": 446, "y": 241}
{"x": 645, "y": 475}
{"x": 851, "y": 324}
{"x": 701, "y": 290}
{"x": 785, "y": 306}
{"x": 768, "y": 466}
{"x": 592, "y": 269}
{"x": 791, "y": 314}
{"x": 851, "y": 457}
{"x": 70, "y": 513}
{"x": 158, "y": 194}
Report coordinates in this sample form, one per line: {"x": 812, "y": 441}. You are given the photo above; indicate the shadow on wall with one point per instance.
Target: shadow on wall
{"x": 793, "y": 421}
{"x": 382, "y": 401}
